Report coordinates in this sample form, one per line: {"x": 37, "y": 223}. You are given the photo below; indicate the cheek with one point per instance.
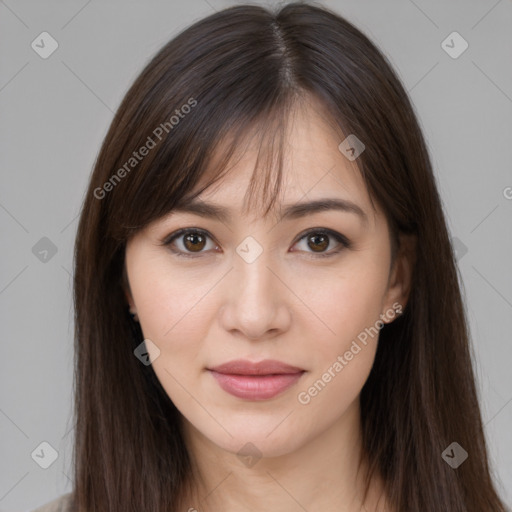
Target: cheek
{"x": 168, "y": 301}
{"x": 172, "y": 314}
{"x": 349, "y": 306}
{"x": 346, "y": 301}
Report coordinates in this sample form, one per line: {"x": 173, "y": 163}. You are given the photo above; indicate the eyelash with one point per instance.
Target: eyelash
{"x": 341, "y": 239}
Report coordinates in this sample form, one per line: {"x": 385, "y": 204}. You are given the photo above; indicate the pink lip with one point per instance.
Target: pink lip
{"x": 256, "y": 381}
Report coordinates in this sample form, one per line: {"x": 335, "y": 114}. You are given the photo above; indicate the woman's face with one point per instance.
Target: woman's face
{"x": 277, "y": 288}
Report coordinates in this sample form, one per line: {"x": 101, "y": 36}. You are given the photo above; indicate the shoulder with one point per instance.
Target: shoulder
{"x": 60, "y": 504}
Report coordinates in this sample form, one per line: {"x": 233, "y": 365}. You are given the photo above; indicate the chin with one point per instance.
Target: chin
{"x": 266, "y": 438}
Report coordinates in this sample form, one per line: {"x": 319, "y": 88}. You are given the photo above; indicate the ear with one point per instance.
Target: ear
{"x": 400, "y": 278}
{"x": 128, "y": 294}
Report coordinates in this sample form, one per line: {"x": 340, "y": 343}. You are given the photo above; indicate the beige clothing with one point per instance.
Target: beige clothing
{"x": 60, "y": 504}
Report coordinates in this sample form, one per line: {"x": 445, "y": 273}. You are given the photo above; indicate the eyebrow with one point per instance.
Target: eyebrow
{"x": 292, "y": 211}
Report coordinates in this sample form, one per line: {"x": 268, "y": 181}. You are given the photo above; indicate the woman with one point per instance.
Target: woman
{"x": 268, "y": 313}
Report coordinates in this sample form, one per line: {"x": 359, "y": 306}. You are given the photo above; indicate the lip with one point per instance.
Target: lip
{"x": 256, "y": 380}
{"x": 246, "y": 367}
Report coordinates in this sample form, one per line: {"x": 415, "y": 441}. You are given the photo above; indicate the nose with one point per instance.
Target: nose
{"x": 255, "y": 306}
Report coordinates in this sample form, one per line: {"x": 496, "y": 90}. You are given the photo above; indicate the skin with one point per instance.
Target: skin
{"x": 286, "y": 305}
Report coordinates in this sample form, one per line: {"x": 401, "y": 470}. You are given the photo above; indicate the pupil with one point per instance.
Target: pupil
{"x": 315, "y": 239}
{"x": 191, "y": 238}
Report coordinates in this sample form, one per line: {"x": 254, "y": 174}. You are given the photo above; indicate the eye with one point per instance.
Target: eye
{"x": 318, "y": 240}
{"x": 192, "y": 240}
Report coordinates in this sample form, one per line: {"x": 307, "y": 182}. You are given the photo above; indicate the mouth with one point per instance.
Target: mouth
{"x": 256, "y": 381}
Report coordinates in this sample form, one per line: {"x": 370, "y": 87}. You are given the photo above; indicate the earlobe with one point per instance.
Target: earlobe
{"x": 131, "y": 306}
{"x": 400, "y": 281}
{"x": 129, "y": 299}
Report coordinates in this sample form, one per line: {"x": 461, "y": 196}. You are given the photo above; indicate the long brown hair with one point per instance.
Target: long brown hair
{"x": 236, "y": 72}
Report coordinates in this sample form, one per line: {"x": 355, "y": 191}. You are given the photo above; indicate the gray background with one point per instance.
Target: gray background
{"x": 56, "y": 111}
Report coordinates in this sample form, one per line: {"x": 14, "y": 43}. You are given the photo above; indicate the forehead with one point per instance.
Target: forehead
{"x": 312, "y": 165}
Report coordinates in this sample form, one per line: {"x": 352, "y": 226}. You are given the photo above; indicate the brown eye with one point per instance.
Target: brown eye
{"x": 320, "y": 239}
{"x": 318, "y": 242}
{"x": 194, "y": 242}
{"x": 189, "y": 242}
